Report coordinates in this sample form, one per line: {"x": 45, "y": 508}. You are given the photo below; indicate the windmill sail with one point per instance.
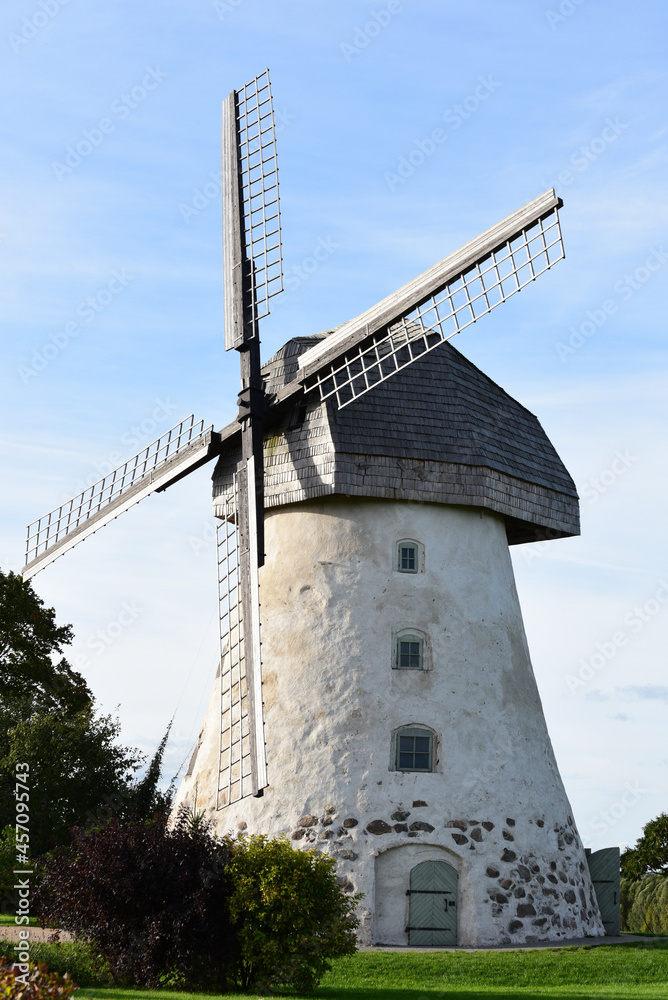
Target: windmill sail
{"x": 252, "y": 262}
{"x": 242, "y": 760}
{"x": 437, "y": 305}
{"x": 252, "y": 274}
{"x": 182, "y": 449}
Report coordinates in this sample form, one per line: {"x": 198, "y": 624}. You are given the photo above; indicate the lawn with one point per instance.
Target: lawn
{"x": 8, "y": 919}
{"x": 617, "y": 972}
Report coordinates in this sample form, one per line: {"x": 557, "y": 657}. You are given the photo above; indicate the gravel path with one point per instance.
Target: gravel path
{"x": 9, "y": 933}
{"x": 587, "y": 942}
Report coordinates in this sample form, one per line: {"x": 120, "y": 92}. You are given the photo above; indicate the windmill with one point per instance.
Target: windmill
{"x": 284, "y": 458}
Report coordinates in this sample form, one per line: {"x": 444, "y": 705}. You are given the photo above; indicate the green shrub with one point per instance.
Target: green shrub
{"x": 183, "y": 908}
{"x": 644, "y": 905}
{"x": 76, "y": 958}
{"x": 32, "y": 982}
{"x": 288, "y": 913}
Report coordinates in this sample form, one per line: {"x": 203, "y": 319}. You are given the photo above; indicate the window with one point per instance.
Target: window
{"x": 415, "y": 749}
{"x": 408, "y": 557}
{"x": 409, "y": 652}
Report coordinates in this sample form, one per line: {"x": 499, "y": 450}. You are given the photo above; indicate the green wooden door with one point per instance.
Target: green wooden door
{"x": 604, "y": 871}
{"x": 432, "y": 920}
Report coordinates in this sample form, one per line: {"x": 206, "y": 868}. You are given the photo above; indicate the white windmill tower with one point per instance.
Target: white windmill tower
{"x": 390, "y": 716}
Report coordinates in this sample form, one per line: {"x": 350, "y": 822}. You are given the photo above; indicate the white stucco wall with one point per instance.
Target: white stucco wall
{"x": 331, "y": 601}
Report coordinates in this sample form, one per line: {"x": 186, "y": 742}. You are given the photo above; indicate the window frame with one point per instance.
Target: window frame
{"x": 411, "y": 633}
{"x": 413, "y": 638}
{"x": 409, "y": 547}
{"x": 419, "y": 556}
{"x": 414, "y": 731}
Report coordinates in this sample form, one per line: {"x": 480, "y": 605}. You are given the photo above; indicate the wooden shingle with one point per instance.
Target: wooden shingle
{"x": 439, "y": 431}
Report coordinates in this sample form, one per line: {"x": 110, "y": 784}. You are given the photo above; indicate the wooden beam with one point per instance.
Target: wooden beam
{"x": 250, "y": 618}
{"x": 193, "y": 457}
{"x": 233, "y": 250}
{"x": 396, "y": 305}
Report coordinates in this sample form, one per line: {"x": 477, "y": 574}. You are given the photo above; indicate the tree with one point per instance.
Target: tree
{"x": 77, "y": 772}
{"x": 650, "y": 854}
{"x": 644, "y": 905}
{"x": 8, "y": 862}
{"x": 144, "y": 799}
{"x": 79, "y": 775}
{"x": 151, "y": 900}
{"x": 31, "y": 678}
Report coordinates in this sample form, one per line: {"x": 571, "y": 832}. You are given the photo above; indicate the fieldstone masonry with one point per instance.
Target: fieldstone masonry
{"x": 531, "y": 898}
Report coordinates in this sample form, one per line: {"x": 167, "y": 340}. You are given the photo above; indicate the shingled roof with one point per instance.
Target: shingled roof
{"x": 439, "y": 431}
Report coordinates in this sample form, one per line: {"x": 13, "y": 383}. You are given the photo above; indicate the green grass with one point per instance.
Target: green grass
{"x": 8, "y": 918}
{"x": 73, "y": 957}
{"x": 616, "y": 972}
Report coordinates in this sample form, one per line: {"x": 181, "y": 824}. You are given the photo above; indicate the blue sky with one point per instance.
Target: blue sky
{"x": 112, "y": 308}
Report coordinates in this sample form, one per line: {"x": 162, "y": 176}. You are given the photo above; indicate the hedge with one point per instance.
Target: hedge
{"x": 644, "y": 905}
